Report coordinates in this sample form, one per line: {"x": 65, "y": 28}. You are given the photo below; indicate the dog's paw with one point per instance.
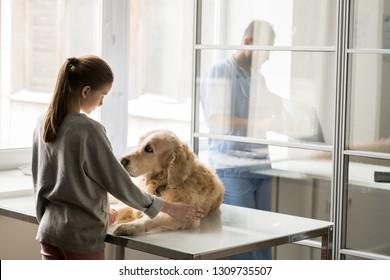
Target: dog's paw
{"x": 129, "y": 229}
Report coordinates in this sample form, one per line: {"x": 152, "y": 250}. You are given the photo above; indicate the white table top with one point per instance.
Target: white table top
{"x": 227, "y": 231}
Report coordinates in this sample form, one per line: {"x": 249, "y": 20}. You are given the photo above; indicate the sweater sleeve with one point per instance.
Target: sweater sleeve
{"x": 101, "y": 166}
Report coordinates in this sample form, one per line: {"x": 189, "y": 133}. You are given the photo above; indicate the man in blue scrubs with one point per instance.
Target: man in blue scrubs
{"x": 225, "y": 97}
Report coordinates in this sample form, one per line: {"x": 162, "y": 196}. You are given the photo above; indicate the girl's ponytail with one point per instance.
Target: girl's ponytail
{"x": 58, "y": 106}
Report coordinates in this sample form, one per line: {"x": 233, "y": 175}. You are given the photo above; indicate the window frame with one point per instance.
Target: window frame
{"x": 115, "y": 50}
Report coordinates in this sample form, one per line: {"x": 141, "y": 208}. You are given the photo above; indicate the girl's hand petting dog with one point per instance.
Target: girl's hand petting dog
{"x": 183, "y": 212}
{"x": 113, "y": 216}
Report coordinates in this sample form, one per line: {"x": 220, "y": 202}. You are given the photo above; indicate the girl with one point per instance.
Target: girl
{"x": 74, "y": 168}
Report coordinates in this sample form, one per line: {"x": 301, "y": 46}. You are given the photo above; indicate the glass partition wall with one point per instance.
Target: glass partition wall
{"x": 366, "y": 188}
{"x": 298, "y": 99}
{"x": 297, "y": 102}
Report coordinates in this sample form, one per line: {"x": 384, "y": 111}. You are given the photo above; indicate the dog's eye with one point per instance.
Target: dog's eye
{"x": 148, "y": 149}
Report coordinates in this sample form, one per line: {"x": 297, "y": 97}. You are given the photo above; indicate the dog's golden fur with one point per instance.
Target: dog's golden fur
{"x": 170, "y": 170}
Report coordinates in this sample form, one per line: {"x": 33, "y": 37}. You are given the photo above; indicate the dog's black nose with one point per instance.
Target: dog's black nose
{"x": 125, "y": 162}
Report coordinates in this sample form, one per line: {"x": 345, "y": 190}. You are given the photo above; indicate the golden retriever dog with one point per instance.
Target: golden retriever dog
{"x": 168, "y": 169}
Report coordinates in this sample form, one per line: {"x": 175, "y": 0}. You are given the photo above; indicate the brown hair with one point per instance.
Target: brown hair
{"x": 260, "y": 28}
{"x": 74, "y": 74}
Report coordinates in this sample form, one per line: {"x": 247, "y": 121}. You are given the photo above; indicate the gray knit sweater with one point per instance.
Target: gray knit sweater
{"x": 72, "y": 177}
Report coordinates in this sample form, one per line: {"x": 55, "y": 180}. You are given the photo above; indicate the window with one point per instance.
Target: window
{"x": 161, "y": 54}
{"x": 153, "y": 71}
{"x": 36, "y": 37}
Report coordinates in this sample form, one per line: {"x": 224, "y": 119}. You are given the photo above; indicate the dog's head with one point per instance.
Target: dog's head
{"x": 160, "y": 152}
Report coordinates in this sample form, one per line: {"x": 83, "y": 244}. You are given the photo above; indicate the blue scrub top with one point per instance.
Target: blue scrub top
{"x": 226, "y": 90}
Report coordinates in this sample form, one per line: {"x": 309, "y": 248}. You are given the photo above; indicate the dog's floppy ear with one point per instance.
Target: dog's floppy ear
{"x": 180, "y": 165}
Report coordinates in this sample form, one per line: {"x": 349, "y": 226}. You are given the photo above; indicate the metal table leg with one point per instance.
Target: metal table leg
{"x": 119, "y": 252}
{"x": 327, "y": 245}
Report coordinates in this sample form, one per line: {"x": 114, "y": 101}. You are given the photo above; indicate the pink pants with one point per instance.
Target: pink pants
{"x": 50, "y": 252}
